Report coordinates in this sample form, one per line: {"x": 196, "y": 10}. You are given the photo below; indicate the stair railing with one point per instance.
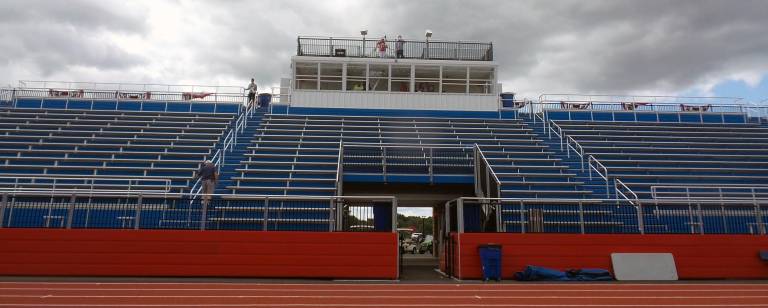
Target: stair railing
{"x": 572, "y": 144}
{"x": 340, "y": 169}
{"x": 601, "y": 170}
{"x": 487, "y": 183}
{"x": 626, "y": 193}
{"x": 554, "y": 128}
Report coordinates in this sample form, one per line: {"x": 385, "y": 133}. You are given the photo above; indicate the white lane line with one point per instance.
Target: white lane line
{"x": 382, "y": 305}
{"x": 378, "y": 283}
{"x": 386, "y": 296}
{"x": 381, "y": 290}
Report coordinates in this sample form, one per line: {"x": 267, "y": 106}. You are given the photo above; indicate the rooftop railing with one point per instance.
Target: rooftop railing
{"x": 412, "y": 49}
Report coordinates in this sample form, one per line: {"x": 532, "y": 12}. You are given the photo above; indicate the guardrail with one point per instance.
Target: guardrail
{"x": 407, "y": 159}
{"x": 126, "y": 95}
{"x": 602, "y": 171}
{"x": 487, "y": 183}
{"x": 55, "y": 184}
{"x": 114, "y": 86}
{"x": 367, "y": 48}
{"x": 636, "y": 102}
{"x": 516, "y": 215}
{"x": 340, "y": 169}
{"x": 709, "y": 192}
{"x": 117, "y": 210}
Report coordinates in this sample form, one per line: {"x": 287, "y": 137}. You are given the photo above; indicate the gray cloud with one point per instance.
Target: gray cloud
{"x": 54, "y": 36}
{"x": 617, "y": 46}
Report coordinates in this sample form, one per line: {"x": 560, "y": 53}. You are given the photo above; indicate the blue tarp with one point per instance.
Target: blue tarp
{"x": 537, "y": 273}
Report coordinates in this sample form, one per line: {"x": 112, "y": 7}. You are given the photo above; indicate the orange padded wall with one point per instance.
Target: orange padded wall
{"x": 54, "y": 252}
{"x": 696, "y": 256}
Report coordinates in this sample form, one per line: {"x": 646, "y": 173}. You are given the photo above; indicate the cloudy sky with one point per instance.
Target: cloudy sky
{"x": 620, "y": 47}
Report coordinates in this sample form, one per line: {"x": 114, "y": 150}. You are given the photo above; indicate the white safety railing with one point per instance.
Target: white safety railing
{"x": 555, "y": 215}
{"x": 416, "y": 156}
{"x": 710, "y": 192}
{"x": 126, "y": 95}
{"x": 645, "y": 102}
{"x": 340, "y": 170}
{"x": 57, "y": 184}
{"x": 114, "y": 86}
{"x": 487, "y": 183}
{"x": 601, "y": 171}
{"x": 139, "y": 206}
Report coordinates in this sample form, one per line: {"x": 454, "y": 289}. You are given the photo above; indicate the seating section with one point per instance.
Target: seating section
{"x": 105, "y": 150}
{"x": 645, "y": 154}
{"x": 298, "y": 155}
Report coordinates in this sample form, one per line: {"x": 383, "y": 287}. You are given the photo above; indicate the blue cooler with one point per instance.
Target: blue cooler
{"x": 265, "y": 99}
{"x": 490, "y": 260}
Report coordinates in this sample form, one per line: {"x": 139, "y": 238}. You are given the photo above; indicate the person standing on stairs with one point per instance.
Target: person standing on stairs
{"x": 209, "y": 176}
{"x": 252, "y": 89}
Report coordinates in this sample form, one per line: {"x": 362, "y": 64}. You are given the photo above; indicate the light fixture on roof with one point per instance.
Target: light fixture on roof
{"x": 363, "y": 33}
{"x": 428, "y": 34}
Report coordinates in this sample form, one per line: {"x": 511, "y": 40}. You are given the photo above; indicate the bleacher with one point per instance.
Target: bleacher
{"x": 107, "y": 150}
{"x": 299, "y": 155}
{"x": 647, "y": 154}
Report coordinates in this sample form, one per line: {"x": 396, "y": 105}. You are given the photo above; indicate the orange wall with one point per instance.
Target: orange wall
{"x": 696, "y": 256}
{"x": 54, "y": 252}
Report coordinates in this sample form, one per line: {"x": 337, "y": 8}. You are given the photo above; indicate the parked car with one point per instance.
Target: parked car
{"x": 408, "y": 245}
{"x": 426, "y": 245}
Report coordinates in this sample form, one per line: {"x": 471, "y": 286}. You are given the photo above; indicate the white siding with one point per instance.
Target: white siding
{"x": 394, "y": 100}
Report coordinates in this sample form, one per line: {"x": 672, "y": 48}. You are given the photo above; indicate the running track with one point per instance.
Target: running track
{"x": 91, "y": 294}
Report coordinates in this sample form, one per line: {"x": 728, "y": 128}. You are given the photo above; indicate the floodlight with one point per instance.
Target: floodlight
{"x": 428, "y": 34}
{"x": 364, "y": 32}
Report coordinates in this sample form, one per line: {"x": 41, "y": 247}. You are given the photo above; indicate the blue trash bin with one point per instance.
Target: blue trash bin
{"x": 507, "y": 100}
{"x": 265, "y": 99}
{"x": 490, "y": 260}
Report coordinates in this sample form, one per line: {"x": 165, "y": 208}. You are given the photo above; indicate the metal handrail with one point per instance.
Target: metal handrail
{"x": 428, "y": 157}
{"x": 722, "y": 194}
{"x": 138, "y": 207}
{"x": 619, "y": 186}
{"x": 598, "y": 166}
{"x": 340, "y": 169}
{"x": 581, "y": 207}
{"x": 485, "y": 160}
{"x": 489, "y": 170}
{"x": 76, "y": 85}
{"x": 558, "y": 131}
{"x": 618, "y": 98}
{"x": 319, "y": 46}
{"x": 572, "y": 144}
{"x": 85, "y": 180}
{"x": 123, "y": 95}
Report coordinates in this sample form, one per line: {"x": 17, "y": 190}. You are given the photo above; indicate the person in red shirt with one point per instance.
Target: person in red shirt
{"x": 381, "y": 46}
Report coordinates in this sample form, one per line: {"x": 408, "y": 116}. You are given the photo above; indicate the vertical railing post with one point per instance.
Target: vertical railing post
{"x": 431, "y": 170}
{"x": 758, "y": 217}
{"x": 3, "y": 203}
{"x": 331, "y": 215}
{"x": 137, "y": 216}
{"x": 460, "y": 215}
{"x": 500, "y": 227}
{"x": 384, "y": 162}
{"x": 581, "y": 217}
{"x": 71, "y": 211}
{"x": 265, "y": 215}
{"x": 522, "y": 217}
{"x": 339, "y": 205}
{"x": 204, "y": 213}
{"x": 640, "y": 222}
{"x": 394, "y": 214}
{"x": 700, "y": 217}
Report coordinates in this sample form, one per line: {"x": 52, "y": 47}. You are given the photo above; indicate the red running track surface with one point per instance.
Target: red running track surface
{"x": 92, "y": 294}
